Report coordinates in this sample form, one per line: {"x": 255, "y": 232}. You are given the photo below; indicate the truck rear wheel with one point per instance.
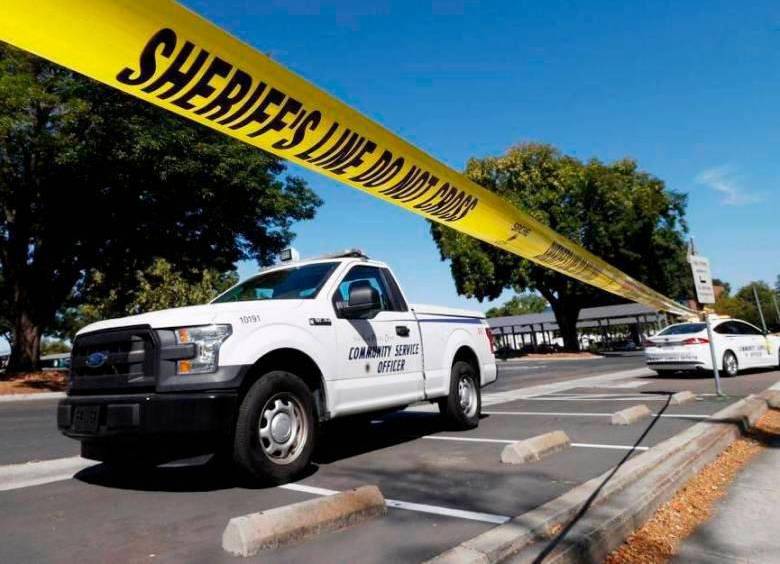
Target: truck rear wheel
{"x": 461, "y": 408}
{"x": 275, "y": 428}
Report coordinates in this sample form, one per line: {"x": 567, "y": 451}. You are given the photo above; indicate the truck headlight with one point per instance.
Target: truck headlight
{"x": 207, "y": 340}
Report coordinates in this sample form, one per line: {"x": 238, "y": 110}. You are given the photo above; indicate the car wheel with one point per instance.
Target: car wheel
{"x": 730, "y": 364}
{"x": 461, "y": 408}
{"x": 275, "y": 428}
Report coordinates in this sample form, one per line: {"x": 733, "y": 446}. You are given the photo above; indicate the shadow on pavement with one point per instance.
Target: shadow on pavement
{"x": 337, "y": 441}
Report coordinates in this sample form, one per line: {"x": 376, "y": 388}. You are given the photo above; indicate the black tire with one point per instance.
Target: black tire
{"x": 663, "y": 373}
{"x": 255, "y": 453}
{"x": 457, "y": 414}
{"x": 730, "y": 364}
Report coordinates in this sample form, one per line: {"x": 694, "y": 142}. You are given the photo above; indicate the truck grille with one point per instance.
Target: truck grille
{"x": 114, "y": 360}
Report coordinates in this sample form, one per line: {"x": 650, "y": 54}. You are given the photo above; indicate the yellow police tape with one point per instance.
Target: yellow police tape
{"x": 165, "y": 54}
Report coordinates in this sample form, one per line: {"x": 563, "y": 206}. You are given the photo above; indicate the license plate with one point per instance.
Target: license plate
{"x": 86, "y": 419}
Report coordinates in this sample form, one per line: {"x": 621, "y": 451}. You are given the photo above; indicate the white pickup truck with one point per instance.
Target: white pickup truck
{"x": 253, "y": 373}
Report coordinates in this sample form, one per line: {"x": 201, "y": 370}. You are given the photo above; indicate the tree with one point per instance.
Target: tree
{"x": 723, "y": 284}
{"x": 54, "y": 346}
{"x": 92, "y": 179}
{"x": 158, "y": 287}
{"x": 519, "y": 305}
{"x": 749, "y": 311}
{"x": 617, "y": 211}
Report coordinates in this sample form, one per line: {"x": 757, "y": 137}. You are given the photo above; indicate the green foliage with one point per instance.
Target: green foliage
{"x": 519, "y": 305}
{"x": 725, "y": 285}
{"x": 158, "y": 287}
{"x": 742, "y": 305}
{"x": 619, "y": 212}
{"x": 54, "y": 346}
{"x": 92, "y": 179}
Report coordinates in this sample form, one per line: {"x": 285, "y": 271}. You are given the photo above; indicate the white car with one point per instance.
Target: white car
{"x": 253, "y": 373}
{"x": 738, "y": 345}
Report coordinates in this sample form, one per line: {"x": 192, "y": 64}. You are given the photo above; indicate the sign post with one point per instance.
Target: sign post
{"x": 705, "y": 294}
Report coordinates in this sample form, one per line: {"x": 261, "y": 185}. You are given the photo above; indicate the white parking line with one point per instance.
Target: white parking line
{"x": 409, "y": 506}
{"x": 578, "y": 398}
{"x": 506, "y": 442}
{"x": 17, "y": 476}
{"x": 575, "y": 414}
{"x": 543, "y": 389}
{"x": 446, "y": 511}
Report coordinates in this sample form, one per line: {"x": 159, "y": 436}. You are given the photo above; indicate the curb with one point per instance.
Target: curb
{"x": 535, "y": 448}
{"x": 631, "y": 415}
{"x": 32, "y": 396}
{"x": 249, "y": 534}
{"x": 589, "y": 521}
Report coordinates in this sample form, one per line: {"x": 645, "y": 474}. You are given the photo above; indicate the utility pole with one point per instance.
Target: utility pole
{"x": 777, "y": 309}
{"x": 760, "y": 311}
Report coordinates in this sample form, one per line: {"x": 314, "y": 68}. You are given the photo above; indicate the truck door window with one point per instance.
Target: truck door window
{"x": 370, "y": 274}
{"x": 395, "y": 292}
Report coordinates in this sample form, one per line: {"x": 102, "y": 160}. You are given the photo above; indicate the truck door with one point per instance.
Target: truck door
{"x": 380, "y": 352}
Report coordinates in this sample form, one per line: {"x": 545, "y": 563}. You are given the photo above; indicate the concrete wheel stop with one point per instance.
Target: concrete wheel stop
{"x": 249, "y": 534}
{"x": 682, "y": 397}
{"x": 631, "y": 415}
{"x": 535, "y": 448}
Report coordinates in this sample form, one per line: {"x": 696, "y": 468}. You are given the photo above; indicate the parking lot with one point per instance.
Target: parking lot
{"x": 442, "y": 487}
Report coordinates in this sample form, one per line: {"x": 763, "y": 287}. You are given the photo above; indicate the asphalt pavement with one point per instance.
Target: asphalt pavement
{"x": 445, "y": 487}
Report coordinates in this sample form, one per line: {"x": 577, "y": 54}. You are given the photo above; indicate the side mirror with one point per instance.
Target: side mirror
{"x": 363, "y": 299}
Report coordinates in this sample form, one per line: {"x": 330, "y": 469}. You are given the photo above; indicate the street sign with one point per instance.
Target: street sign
{"x": 702, "y": 279}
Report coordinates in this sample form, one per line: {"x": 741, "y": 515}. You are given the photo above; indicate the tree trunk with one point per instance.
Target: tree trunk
{"x": 566, "y": 316}
{"x": 26, "y": 344}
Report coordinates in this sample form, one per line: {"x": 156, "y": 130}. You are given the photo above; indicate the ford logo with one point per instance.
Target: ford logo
{"x": 96, "y": 359}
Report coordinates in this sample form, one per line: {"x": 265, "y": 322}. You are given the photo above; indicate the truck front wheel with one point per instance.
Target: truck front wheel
{"x": 275, "y": 428}
{"x": 461, "y": 408}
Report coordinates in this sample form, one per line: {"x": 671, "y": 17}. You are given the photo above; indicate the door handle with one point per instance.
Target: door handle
{"x": 402, "y": 330}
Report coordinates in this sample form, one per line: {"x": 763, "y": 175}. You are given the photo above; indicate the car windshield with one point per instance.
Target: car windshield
{"x": 683, "y": 328}
{"x": 294, "y": 283}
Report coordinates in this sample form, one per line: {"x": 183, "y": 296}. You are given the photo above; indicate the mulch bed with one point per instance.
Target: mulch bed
{"x": 658, "y": 539}
{"x": 33, "y": 382}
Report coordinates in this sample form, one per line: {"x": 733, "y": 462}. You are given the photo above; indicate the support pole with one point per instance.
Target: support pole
{"x": 760, "y": 311}
{"x": 712, "y": 354}
{"x": 777, "y": 309}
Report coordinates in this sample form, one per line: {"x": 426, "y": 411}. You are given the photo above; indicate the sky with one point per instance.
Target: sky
{"x": 689, "y": 90}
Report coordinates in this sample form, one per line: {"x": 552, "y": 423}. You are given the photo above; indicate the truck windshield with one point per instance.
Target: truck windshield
{"x": 294, "y": 283}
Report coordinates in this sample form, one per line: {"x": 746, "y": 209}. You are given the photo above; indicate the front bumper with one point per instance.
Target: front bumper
{"x": 147, "y": 415}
